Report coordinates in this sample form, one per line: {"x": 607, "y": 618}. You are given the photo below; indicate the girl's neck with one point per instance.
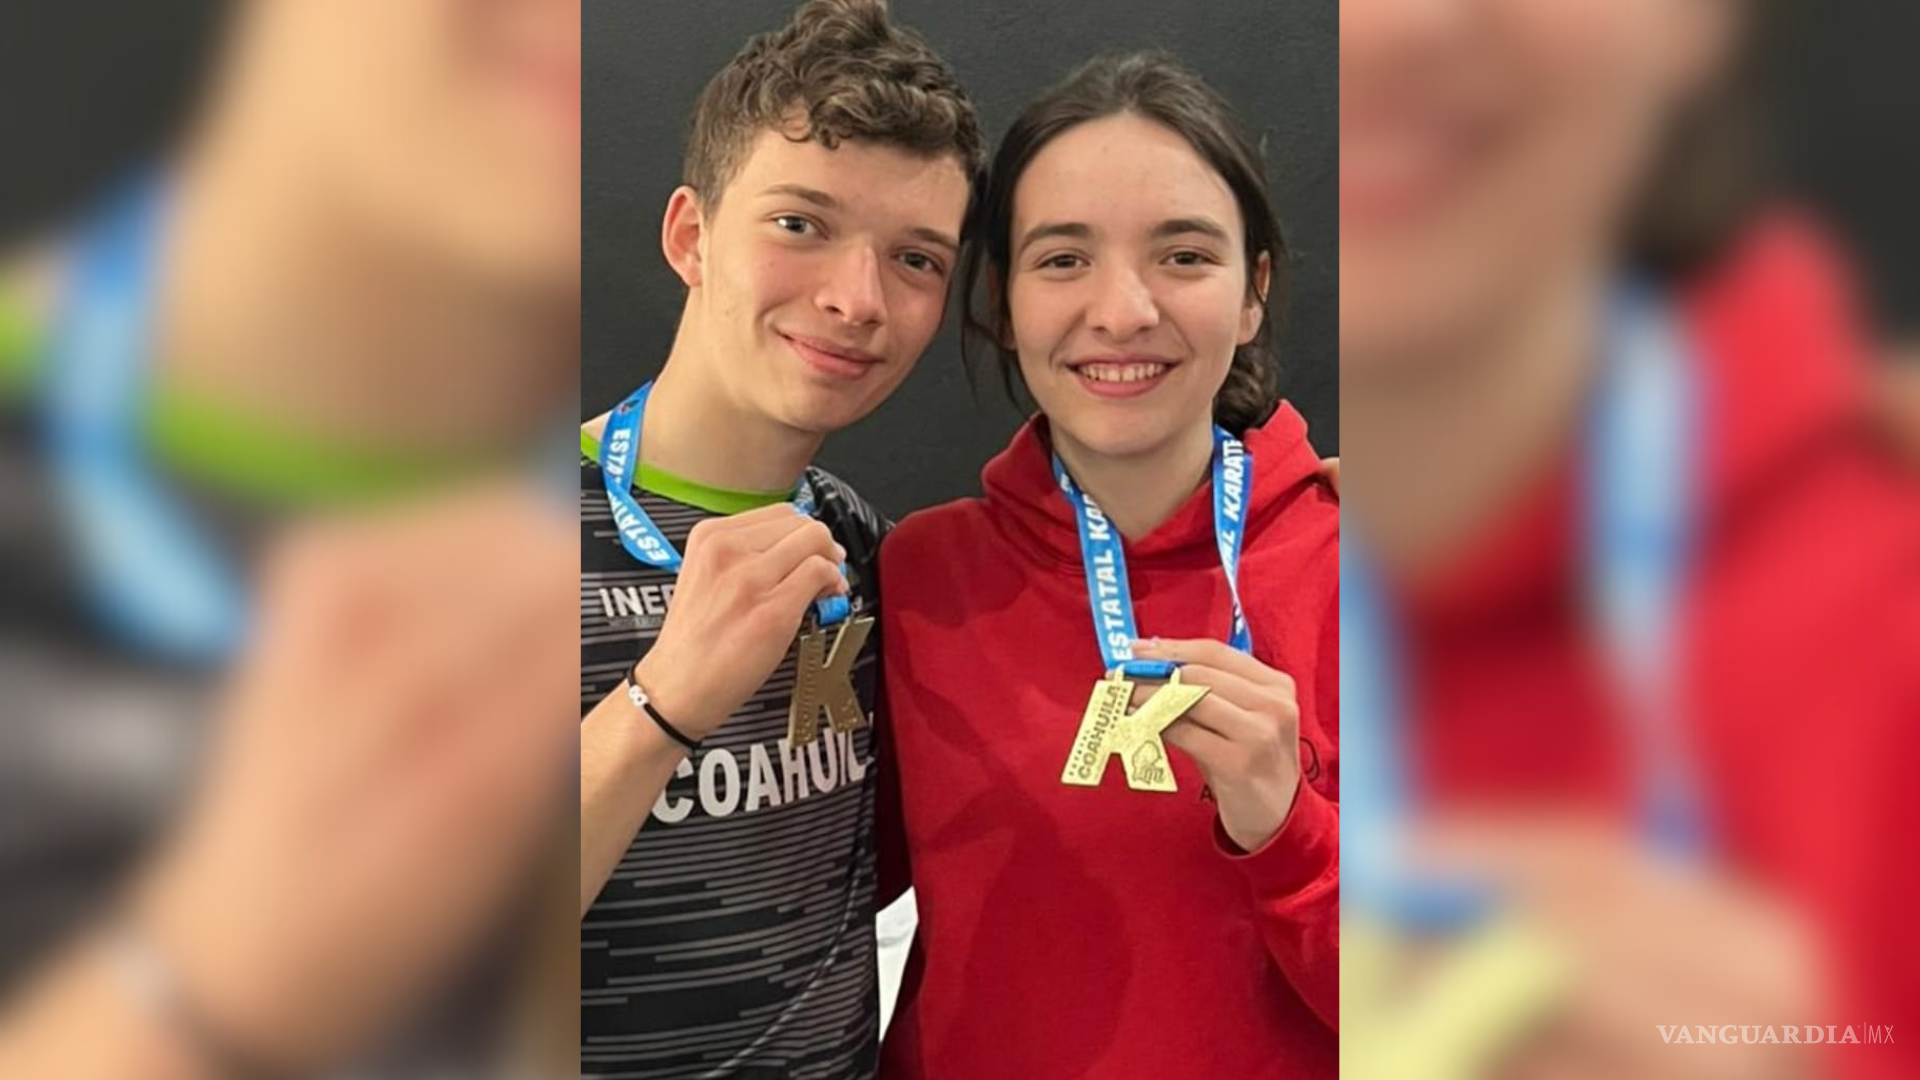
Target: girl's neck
{"x": 1446, "y": 436}
{"x": 1139, "y": 492}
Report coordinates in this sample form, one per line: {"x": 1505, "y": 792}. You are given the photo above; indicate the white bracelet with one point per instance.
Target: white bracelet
{"x": 143, "y": 971}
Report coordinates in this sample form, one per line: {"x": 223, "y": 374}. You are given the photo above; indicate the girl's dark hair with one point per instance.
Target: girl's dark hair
{"x": 1715, "y": 171}
{"x": 1153, "y": 86}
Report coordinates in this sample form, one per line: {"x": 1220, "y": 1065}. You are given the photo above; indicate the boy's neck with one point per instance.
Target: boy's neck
{"x": 694, "y": 430}
{"x": 280, "y": 302}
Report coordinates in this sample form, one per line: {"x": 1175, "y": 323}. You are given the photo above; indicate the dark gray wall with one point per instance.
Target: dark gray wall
{"x": 1849, "y": 146}
{"x": 646, "y": 61}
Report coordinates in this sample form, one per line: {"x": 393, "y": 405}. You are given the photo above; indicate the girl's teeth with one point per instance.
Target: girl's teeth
{"x": 1122, "y": 373}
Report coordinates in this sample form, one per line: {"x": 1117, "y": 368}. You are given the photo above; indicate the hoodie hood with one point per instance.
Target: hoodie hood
{"x": 1777, "y": 332}
{"x": 1022, "y": 498}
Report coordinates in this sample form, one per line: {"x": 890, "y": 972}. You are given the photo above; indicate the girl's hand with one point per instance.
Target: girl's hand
{"x": 1245, "y": 735}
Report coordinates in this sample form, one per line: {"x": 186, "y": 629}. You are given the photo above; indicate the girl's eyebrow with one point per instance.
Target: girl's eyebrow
{"x": 1073, "y": 229}
{"x": 1205, "y": 226}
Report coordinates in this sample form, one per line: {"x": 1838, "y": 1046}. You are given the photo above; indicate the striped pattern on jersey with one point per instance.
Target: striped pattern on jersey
{"x": 735, "y": 938}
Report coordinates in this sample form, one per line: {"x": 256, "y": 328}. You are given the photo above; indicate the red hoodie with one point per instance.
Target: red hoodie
{"x": 1802, "y": 646}
{"x": 1100, "y": 932}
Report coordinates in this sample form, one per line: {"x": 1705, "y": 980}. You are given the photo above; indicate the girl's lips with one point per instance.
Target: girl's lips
{"x": 1119, "y": 379}
{"x": 1396, "y": 165}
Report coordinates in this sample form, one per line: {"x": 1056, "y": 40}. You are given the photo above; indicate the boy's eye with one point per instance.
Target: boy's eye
{"x": 1191, "y": 258}
{"x": 794, "y": 224}
{"x": 921, "y": 262}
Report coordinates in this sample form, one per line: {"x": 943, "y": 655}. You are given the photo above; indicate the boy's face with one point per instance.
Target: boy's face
{"x": 822, "y": 275}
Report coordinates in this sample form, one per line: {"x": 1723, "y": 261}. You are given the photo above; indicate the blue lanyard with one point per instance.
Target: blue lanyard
{"x": 619, "y": 460}
{"x": 1639, "y": 480}
{"x": 1105, "y": 562}
{"x": 153, "y": 578}
{"x": 1640, "y": 538}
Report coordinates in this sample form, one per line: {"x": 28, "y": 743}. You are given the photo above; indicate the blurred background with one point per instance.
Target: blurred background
{"x": 94, "y": 88}
{"x": 1631, "y": 556}
{"x": 289, "y": 331}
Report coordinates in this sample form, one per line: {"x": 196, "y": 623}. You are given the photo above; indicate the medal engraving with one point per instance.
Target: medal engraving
{"x": 1107, "y": 729}
{"x": 823, "y": 682}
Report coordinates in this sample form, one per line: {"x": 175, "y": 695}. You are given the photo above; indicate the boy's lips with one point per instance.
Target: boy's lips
{"x": 830, "y": 357}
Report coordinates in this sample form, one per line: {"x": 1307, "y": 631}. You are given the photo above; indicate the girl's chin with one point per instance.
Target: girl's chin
{"x": 1112, "y": 436}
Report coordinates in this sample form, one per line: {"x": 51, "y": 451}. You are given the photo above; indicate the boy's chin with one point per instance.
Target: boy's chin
{"x": 823, "y": 411}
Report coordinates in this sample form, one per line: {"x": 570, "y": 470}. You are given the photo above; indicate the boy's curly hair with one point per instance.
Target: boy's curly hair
{"x": 839, "y": 70}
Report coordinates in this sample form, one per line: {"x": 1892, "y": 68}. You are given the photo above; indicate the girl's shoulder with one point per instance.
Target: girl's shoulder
{"x": 933, "y": 532}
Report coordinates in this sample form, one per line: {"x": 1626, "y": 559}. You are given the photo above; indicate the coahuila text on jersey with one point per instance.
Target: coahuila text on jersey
{"x": 732, "y": 781}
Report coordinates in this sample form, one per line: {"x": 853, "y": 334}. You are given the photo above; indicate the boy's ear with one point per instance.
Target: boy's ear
{"x": 1254, "y": 311}
{"x": 681, "y": 230}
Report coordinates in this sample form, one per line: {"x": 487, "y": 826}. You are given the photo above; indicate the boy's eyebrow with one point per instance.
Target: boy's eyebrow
{"x": 935, "y": 236}
{"x": 800, "y": 191}
{"x": 827, "y": 202}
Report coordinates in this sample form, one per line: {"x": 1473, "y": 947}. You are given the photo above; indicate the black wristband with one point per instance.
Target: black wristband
{"x": 639, "y": 697}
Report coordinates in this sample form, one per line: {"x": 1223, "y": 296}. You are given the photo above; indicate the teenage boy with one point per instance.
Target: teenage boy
{"x": 726, "y": 804}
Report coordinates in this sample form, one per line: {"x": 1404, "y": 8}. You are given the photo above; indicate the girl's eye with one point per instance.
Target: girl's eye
{"x": 1062, "y": 261}
{"x": 794, "y": 224}
{"x": 1191, "y": 258}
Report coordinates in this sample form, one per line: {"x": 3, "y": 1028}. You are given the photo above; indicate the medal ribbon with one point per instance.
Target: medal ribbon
{"x": 619, "y": 459}
{"x": 153, "y": 577}
{"x": 1105, "y": 562}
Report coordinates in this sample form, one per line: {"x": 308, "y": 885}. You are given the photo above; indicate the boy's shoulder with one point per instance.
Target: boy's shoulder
{"x": 856, "y": 523}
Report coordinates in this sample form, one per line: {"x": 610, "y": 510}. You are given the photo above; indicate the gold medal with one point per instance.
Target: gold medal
{"x": 1108, "y": 728}
{"x": 823, "y": 681}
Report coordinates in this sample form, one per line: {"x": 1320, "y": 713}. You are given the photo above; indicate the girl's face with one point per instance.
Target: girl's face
{"x": 1490, "y": 147}
{"x": 1127, "y": 285}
